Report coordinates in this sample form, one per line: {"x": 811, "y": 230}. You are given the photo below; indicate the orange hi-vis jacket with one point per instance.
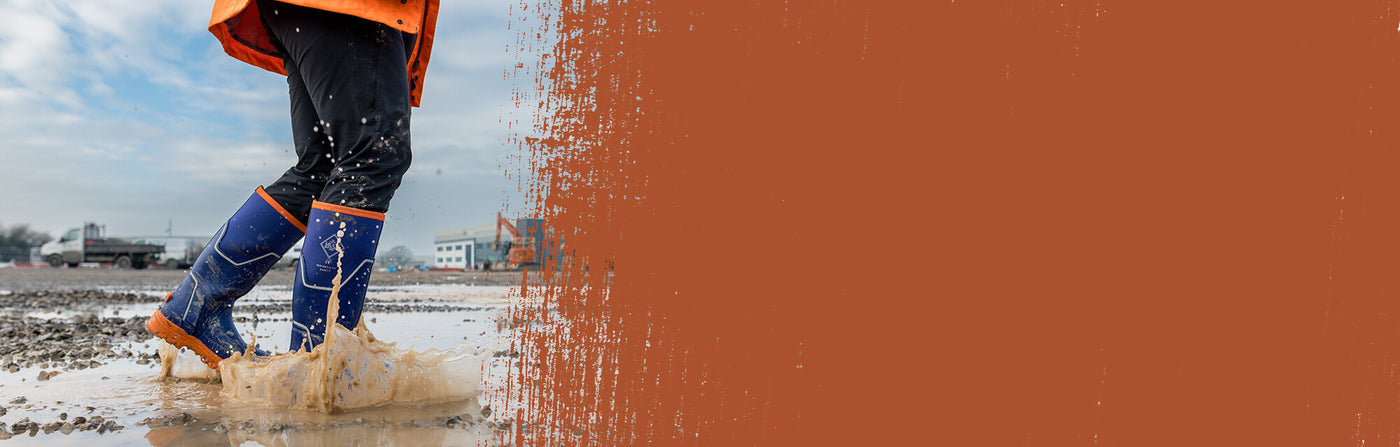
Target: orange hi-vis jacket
{"x": 237, "y": 25}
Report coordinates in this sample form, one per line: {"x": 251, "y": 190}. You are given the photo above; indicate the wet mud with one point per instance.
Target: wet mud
{"x": 29, "y": 340}
{"x": 77, "y": 366}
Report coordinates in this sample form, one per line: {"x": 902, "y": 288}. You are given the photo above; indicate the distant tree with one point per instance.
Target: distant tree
{"x": 399, "y": 255}
{"x": 16, "y": 241}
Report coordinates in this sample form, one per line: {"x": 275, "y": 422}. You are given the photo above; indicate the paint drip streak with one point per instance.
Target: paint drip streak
{"x": 580, "y": 359}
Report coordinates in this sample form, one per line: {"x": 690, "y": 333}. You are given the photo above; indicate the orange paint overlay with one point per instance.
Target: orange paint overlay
{"x": 963, "y": 223}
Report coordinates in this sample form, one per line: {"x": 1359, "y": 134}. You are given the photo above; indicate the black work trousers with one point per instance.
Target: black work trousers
{"x": 349, "y": 89}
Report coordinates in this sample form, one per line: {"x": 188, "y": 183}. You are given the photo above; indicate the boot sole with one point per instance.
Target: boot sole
{"x": 163, "y": 328}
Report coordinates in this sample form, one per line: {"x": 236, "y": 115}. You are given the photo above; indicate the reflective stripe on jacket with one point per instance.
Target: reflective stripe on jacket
{"x": 237, "y": 25}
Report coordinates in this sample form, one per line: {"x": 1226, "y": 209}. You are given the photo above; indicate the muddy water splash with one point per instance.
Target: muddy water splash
{"x": 349, "y": 370}
{"x": 356, "y": 371}
{"x": 183, "y": 366}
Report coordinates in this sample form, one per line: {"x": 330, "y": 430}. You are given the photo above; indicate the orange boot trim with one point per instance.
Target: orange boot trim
{"x": 281, "y": 210}
{"x": 317, "y": 204}
{"x": 172, "y": 334}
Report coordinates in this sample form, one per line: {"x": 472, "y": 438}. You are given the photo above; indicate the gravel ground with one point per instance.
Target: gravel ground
{"x": 59, "y": 346}
{"x": 85, "y": 341}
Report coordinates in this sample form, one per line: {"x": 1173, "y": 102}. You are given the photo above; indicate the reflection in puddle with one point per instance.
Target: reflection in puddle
{"x": 445, "y": 424}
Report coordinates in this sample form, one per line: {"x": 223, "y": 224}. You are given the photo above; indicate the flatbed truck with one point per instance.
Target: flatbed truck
{"x": 87, "y": 244}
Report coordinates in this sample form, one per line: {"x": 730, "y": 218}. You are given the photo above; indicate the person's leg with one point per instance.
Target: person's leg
{"x": 198, "y": 314}
{"x": 356, "y": 78}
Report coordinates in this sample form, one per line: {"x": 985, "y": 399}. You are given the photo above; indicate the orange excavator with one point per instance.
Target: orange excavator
{"x": 520, "y": 251}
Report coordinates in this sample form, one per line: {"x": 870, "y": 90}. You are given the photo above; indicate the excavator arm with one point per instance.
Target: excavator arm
{"x": 500, "y": 222}
{"x": 520, "y": 251}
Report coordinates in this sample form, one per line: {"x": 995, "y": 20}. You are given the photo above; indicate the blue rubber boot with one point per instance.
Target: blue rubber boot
{"x": 199, "y": 314}
{"x": 338, "y": 238}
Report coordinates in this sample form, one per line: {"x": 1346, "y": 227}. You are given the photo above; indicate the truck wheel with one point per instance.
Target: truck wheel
{"x": 172, "y": 264}
{"x": 123, "y": 262}
{"x": 55, "y": 261}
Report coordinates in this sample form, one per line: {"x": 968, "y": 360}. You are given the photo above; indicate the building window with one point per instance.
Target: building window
{"x": 459, "y": 247}
{"x": 459, "y": 259}
{"x": 439, "y": 248}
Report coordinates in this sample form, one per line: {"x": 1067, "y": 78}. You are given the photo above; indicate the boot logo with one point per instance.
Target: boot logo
{"x": 328, "y": 246}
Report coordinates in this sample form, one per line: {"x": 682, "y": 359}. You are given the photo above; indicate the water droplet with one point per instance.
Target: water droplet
{"x": 363, "y": 120}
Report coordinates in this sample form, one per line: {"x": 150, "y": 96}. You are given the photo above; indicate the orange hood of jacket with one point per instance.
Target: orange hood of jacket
{"x": 237, "y": 25}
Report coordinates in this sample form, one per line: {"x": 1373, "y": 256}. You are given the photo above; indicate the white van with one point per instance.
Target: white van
{"x": 180, "y": 251}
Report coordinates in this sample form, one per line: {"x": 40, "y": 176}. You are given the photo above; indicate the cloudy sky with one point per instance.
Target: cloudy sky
{"x": 129, "y": 114}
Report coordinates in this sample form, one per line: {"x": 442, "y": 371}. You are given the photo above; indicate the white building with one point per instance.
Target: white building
{"x": 466, "y": 247}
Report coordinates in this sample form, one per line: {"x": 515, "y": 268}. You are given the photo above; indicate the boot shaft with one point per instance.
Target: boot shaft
{"x": 235, "y": 259}
{"x": 339, "y": 240}
{"x": 198, "y": 314}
